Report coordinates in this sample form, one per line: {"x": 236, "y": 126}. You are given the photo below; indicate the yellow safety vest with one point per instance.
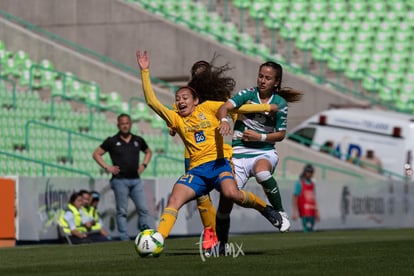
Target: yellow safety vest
{"x": 77, "y": 217}
{"x": 93, "y": 213}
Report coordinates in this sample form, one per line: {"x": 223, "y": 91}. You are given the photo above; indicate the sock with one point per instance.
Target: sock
{"x": 222, "y": 227}
{"x": 167, "y": 220}
{"x": 250, "y": 200}
{"x": 207, "y": 212}
{"x": 271, "y": 190}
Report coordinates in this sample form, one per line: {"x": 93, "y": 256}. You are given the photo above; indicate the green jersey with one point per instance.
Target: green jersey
{"x": 259, "y": 122}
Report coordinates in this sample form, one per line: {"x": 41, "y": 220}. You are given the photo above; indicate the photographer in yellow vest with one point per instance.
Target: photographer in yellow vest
{"x": 71, "y": 221}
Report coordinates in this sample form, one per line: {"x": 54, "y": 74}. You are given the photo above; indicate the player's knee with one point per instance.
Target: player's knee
{"x": 230, "y": 192}
{"x": 175, "y": 202}
{"x": 263, "y": 176}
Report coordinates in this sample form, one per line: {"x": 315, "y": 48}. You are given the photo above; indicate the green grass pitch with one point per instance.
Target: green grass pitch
{"x": 356, "y": 252}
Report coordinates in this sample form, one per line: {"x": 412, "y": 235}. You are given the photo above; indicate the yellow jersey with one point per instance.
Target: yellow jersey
{"x": 199, "y": 131}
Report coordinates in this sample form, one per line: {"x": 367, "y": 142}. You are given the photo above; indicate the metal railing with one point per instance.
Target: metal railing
{"x": 47, "y": 164}
{"x": 68, "y": 131}
{"x": 13, "y": 85}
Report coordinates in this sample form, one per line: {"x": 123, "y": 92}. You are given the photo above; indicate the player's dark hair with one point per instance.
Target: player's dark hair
{"x": 213, "y": 84}
{"x": 200, "y": 66}
{"x": 289, "y": 94}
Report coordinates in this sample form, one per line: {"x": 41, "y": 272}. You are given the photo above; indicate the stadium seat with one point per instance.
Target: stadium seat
{"x": 331, "y": 21}
{"x": 114, "y": 101}
{"x": 157, "y": 122}
{"x": 371, "y": 83}
{"x": 325, "y": 39}
{"x": 20, "y": 57}
{"x": 258, "y": 11}
{"x": 336, "y": 63}
{"x": 75, "y": 89}
{"x": 320, "y": 54}
{"x": 354, "y": 72}
{"x": 299, "y": 9}
{"x": 303, "y": 40}
{"x": 358, "y": 7}
{"x": 278, "y": 9}
{"x": 338, "y": 7}
{"x": 342, "y": 51}
{"x": 258, "y": 8}
{"x": 9, "y": 68}
{"x": 92, "y": 97}
{"x": 242, "y": 5}
{"x": 376, "y": 68}
{"x": 289, "y": 30}
{"x": 318, "y": 6}
{"x": 141, "y": 112}
{"x": 44, "y": 66}
{"x": 57, "y": 88}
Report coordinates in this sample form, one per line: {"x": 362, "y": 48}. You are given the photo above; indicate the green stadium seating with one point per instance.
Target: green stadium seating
{"x": 47, "y": 144}
{"x": 157, "y": 122}
{"x": 241, "y": 3}
{"x": 113, "y": 101}
{"x": 278, "y": 9}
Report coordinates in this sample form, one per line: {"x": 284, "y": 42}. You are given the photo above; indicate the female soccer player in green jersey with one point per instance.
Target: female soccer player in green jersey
{"x": 254, "y": 138}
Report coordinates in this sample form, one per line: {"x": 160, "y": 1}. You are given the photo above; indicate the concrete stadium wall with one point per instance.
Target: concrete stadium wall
{"x": 116, "y": 29}
{"x": 64, "y": 59}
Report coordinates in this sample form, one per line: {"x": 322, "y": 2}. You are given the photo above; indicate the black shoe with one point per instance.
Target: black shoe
{"x": 273, "y": 216}
{"x": 223, "y": 249}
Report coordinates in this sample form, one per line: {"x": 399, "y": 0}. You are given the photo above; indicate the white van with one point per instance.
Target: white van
{"x": 353, "y": 131}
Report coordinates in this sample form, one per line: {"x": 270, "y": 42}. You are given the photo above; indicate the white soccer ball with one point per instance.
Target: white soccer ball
{"x": 149, "y": 243}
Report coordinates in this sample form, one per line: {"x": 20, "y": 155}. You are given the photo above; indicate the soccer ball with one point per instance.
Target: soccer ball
{"x": 149, "y": 243}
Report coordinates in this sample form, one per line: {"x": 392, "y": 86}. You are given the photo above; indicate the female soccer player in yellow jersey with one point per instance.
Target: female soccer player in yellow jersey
{"x": 208, "y": 168}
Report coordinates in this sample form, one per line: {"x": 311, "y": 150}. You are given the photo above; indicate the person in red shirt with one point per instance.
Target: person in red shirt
{"x": 304, "y": 200}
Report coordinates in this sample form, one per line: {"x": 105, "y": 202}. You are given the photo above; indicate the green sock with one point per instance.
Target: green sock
{"x": 272, "y": 192}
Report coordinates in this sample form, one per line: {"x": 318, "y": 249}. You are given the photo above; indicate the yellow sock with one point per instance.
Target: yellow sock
{"x": 251, "y": 200}
{"x": 207, "y": 212}
{"x": 167, "y": 221}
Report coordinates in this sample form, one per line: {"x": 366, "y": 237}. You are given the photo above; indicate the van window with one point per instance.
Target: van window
{"x": 304, "y": 136}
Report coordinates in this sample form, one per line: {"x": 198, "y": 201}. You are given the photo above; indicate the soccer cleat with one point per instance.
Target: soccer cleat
{"x": 285, "y": 222}
{"x": 278, "y": 219}
{"x": 224, "y": 249}
{"x": 272, "y": 215}
{"x": 209, "y": 239}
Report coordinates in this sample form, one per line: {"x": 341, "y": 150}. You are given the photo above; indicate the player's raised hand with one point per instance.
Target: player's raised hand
{"x": 142, "y": 59}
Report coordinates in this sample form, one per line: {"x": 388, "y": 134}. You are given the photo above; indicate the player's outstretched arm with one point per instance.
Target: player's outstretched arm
{"x": 143, "y": 62}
